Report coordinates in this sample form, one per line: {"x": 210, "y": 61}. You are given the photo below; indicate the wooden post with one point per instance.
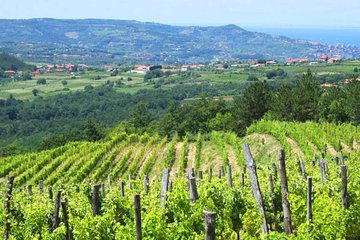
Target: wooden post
{"x": 273, "y": 205}
{"x": 96, "y": 200}
{"x": 220, "y": 173}
{"x": 50, "y": 191}
{"x": 322, "y": 169}
{"x": 191, "y": 172}
{"x": 344, "y": 186}
{"x": 137, "y": 209}
{"x": 30, "y": 192}
{"x": 337, "y": 160}
{"x": 109, "y": 181}
{"x": 122, "y": 189}
{"x": 65, "y": 214}
{"x": 210, "y": 174}
{"x": 309, "y": 199}
{"x": 273, "y": 165}
{"x": 193, "y": 189}
{"x": 56, "y": 219}
{"x": 146, "y": 184}
{"x": 229, "y": 174}
{"x": 243, "y": 180}
{"x": 102, "y": 190}
{"x": 209, "y": 225}
{"x": 342, "y": 159}
{"x": 284, "y": 193}
{"x": 8, "y": 194}
{"x": 200, "y": 176}
{"x": 130, "y": 181}
{"x": 170, "y": 186}
{"x": 302, "y": 168}
{"x": 164, "y": 186}
{"x": 41, "y": 186}
{"x": 255, "y": 185}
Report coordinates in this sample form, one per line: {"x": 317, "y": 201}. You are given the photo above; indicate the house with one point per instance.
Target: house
{"x": 10, "y": 72}
{"x": 334, "y": 60}
{"x": 185, "y": 68}
{"x": 141, "y": 69}
{"x": 155, "y": 67}
{"x": 324, "y": 58}
{"x": 108, "y": 68}
{"x": 292, "y": 61}
{"x": 328, "y": 85}
{"x": 304, "y": 60}
{"x": 271, "y": 62}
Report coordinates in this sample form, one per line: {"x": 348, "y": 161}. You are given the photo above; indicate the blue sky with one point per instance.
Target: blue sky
{"x": 272, "y": 13}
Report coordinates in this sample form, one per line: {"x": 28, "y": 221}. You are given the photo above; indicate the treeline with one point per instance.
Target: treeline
{"x": 306, "y": 101}
{"x": 30, "y": 125}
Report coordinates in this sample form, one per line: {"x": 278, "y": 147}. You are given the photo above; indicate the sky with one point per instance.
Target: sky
{"x": 271, "y": 13}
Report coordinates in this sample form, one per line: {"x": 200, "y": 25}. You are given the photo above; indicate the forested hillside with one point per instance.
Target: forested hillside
{"x": 105, "y": 41}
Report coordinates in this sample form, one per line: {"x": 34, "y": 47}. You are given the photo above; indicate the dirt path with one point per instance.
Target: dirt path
{"x": 191, "y": 155}
{"x": 356, "y": 145}
{"x": 122, "y": 152}
{"x": 345, "y": 147}
{"x": 175, "y": 167}
{"x": 331, "y": 150}
{"x": 232, "y": 159}
{"x": 144, "y": 158}
{"x": 295, "y": 149}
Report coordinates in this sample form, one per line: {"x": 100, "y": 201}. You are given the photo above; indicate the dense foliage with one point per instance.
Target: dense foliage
{"x": 72, "y": 167}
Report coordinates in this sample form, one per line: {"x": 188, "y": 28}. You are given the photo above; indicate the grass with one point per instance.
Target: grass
{"x": 23, "y": 89}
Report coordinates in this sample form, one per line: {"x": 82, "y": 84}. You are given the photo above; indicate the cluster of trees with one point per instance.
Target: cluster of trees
{"x": 307, "y": 101}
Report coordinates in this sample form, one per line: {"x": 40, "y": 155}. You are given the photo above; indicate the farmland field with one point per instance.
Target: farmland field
{"x": 75, "y": 167}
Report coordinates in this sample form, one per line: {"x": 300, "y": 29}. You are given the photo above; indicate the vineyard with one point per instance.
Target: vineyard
{"x": 133, "y": 186}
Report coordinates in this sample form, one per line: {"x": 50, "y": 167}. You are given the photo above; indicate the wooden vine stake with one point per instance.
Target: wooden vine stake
{"x": 50, "y": 191}
{"x": 8, "y": 194}
{"x": 273, "y": 205}
{"x": 30, "y": 192}
{"x": 344, "y": 186}
{"x": 102, "y": 190}
{"x": 322, "y": 169}
{"x": 229, "y": 174}
{"x": 302, "y": 168}
{"x": 309, "y": 199}
{"x": 96, "y": 199}
{"x": 284, "y": 193}
{"x": 56, "y": 219}
{"x": 164, "y": 186}
{"x": 146, "y": 184}
{"x": 65, "y": 214}
{"x": 273, "y": 165}
{"x": 243, "y": 180}
{"x": 210, "y": 174}
{"x": 255, "y": 185}
{"x": 210, "y": 225}
{"x": 193, "y": 189}
{"x": 41, "y": 186}
{"x": 122, "y": 189}
{"x": 137, "y": 209}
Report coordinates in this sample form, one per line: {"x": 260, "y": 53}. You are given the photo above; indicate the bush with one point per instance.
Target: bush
{"x": 41, "y": 81}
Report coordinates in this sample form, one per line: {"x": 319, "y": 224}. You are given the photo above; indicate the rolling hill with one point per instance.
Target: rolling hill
{"x": 101, "y": 41}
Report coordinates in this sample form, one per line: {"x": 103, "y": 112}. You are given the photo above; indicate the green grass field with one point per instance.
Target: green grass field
{"x": 54, "y": 85}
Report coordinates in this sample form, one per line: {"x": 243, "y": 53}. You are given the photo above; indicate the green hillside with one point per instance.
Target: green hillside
{"x": 77, "y": 165}
{"x": 101, "y": 40}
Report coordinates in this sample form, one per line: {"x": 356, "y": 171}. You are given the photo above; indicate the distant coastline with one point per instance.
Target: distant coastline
{"x": 327, "y": 35}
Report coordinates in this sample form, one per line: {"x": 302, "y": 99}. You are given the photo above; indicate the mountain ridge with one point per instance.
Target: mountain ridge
{"x": 109, "y": 40}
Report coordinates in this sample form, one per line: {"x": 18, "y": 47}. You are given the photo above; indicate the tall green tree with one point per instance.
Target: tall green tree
{"x": 251, "y": 106}
{"x": 306, "y": 97}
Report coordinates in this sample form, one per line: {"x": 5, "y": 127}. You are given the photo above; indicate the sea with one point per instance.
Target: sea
{"x": 338, "y": 35}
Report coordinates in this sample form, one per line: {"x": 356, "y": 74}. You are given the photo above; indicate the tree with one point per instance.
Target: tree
{"x": 333, "y": 106}
{"x": 94, "y": 131}
{"x": 35, "y": 92}
{"x": 140, "y": 117}
{"x": 306, "y": 97}
{"x": 64, "y": 82}
{"x": 353, "y": 101}
{"x": 356, "y": 70}
{"x": 282, "y": 104}
{"x": 41, "y": 81}
{"x": 252, "y": 78}
{"x": 251, "y": 106}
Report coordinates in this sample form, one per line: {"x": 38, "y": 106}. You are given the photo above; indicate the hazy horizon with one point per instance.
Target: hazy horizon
{"x": 277, "y": 13}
